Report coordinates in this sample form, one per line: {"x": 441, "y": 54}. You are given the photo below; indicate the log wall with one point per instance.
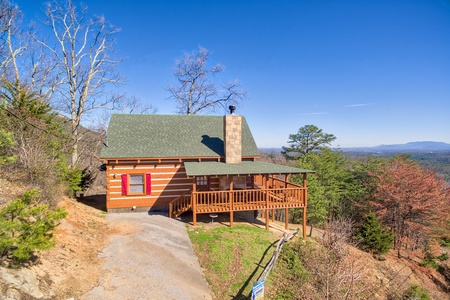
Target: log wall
{"x": 168, "y": 181}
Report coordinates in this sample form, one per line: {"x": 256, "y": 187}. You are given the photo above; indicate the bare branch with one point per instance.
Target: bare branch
{"x": 196, "y": 91}
{"x": 84, "y": 59}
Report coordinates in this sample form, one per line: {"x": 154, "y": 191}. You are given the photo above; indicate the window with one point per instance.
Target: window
{"x": 202, "y": 181}
{"x": 137, "y": 184}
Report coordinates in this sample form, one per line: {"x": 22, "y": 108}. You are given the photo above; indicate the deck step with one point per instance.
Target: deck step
{"x": 178, "y": 213}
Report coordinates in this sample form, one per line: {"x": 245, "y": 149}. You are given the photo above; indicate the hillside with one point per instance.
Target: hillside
{"x": 73, "y": 267}
{"x": 69, "y": 269}
{"x": 238, "y": 267}
{"x": 386, "y": 277}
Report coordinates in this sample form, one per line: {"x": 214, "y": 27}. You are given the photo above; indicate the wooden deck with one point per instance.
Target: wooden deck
{"x": 271, "y": 194}
{"x": 241, "y": 200}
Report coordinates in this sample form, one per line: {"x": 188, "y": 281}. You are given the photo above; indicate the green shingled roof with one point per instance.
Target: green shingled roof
{"x": 243, "y": 168}
{"x": 150, "y": 136}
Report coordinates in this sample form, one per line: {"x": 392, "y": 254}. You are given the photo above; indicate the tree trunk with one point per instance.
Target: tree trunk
{"x": 74, "y": 161}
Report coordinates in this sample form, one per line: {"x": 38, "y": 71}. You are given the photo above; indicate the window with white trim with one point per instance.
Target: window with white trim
{"x": 137, "y": 184}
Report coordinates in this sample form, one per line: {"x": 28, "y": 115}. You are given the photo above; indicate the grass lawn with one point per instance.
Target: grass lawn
{"x": 232, "y": 257}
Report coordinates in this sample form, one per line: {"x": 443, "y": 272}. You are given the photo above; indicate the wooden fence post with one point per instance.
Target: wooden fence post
{"x": 286, "y": 218}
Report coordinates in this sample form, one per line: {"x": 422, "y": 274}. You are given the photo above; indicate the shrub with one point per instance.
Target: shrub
{"x": 443, "y": 256}
{"x": 429, "y": 261}
{"x": 26, "y": 227}
{"x": 71, "y": 178}
{"x": 373, "y": 236}
{"x": 6, "y": 141}
{"x": 415, "y": 292}
{"x": 289, "y": 278}
{"x": 444, "y": 241}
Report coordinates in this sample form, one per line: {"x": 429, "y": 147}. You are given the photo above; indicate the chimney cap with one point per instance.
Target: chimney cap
{"x": 232, "y": 109}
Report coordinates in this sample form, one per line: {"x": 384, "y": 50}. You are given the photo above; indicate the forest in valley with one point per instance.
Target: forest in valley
{"x": 381, "y": 204}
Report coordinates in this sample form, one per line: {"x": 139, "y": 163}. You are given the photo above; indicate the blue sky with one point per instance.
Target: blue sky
{"x": 369, "y": 72}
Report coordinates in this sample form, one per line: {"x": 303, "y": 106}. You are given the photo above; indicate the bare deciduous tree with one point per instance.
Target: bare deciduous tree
{"x": 196, "y": 91}
{"x": 22, "y": 60}
{"x": 411, "y": 201}
{"x": 9, "y": 17}
{"x": 84, "y": 57}
{"x": 134, "y": 105}
{"x": 337, "y": 270}
{"x": 73, "y": 69}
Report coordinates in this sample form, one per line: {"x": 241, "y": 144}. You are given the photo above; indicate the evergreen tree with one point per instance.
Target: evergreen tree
{"x": 39, "y": 139}
{"x": 6, "y": 142}
{"x": 26, "y": 228}
{"x": 308, "y": 138}
{"x": 333, "y": 189}
{"x": 373, "y": 236}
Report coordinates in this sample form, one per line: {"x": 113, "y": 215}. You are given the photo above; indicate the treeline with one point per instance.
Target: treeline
{"x": 438, "y": 162}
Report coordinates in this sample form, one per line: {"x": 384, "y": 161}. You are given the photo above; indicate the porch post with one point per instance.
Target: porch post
{"x": 305, "y": 202}
{"x": 304, "y": 223}
{"x": 273, "y": 215}
{"x": 267, "y": 202}
{"x": 194, "y": 211}
{"x": 231, "y": 203}
{"x": 194, "y": 202}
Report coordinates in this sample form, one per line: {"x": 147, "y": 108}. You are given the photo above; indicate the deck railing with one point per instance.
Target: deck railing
{"x": 180, "y": 204}
{"x": 278, "y": 194}
{"x": 273, "y": 182}
{"x": 252, "y": 199}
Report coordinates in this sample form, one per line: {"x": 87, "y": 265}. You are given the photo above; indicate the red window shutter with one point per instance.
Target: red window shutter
{"x": 124, "y": 184}
{"x": 148, "y": 183}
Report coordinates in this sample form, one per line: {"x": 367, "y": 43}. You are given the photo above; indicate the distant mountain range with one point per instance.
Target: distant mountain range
{"x": 425, "y": 146}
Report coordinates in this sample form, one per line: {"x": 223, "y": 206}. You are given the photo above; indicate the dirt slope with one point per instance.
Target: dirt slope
{"x": 69, "y": 269}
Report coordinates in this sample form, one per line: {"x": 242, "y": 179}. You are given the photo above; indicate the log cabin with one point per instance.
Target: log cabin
{"x": 205, "y": 164}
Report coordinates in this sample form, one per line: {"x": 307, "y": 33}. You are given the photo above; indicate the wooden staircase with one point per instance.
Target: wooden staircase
{"x": 181, "y": 204}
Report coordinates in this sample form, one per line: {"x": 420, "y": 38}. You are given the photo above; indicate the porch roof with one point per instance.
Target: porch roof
{"x": 244, "y": 168}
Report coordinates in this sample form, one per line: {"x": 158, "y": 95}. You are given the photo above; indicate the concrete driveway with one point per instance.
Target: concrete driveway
{"x": 151, "y": 258}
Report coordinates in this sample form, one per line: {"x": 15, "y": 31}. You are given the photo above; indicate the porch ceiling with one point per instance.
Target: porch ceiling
{"x": 243, "y": 168}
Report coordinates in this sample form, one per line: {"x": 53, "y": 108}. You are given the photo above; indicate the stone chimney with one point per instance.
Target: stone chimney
{"x": 232, "y": 135}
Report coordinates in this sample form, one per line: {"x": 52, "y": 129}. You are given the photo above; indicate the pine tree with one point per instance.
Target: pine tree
{"x": 26, "y": 228}
{"x": 373, "y": 236}
{"x": 6, "y": 142}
